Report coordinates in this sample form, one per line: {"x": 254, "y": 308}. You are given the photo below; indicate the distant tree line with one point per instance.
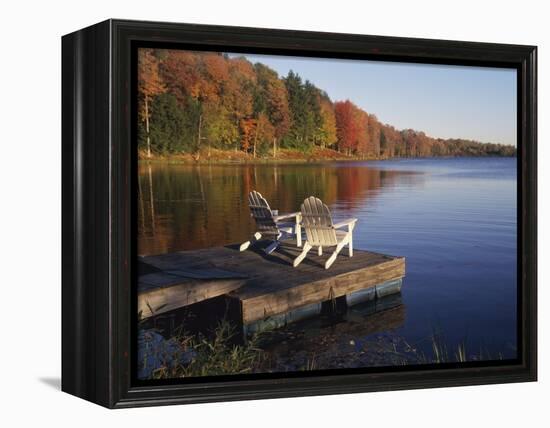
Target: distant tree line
{"x": 195, "y": 101}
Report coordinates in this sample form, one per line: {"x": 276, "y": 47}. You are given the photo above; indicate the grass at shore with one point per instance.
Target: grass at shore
{"x": 218, "y": 355}
{"x": 221, "y": 355}
{"x": 283, "y": 156}
{"x": 215, "y": 156}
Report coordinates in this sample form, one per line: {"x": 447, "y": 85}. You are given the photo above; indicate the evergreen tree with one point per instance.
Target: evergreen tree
{"x": 297, "y": 106}
{"x": 172, "y": 129}
{"x": 313, "y": 119}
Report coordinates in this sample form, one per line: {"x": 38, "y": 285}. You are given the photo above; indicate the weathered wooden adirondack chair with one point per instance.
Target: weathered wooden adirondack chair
{"x": 270, "y": 226}
{"x": 322, "y": 232}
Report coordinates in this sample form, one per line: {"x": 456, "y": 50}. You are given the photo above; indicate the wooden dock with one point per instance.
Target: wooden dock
{"x": 264, "y": 286}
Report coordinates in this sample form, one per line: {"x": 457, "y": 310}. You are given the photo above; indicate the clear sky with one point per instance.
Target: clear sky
{"x": 477, "y": 103}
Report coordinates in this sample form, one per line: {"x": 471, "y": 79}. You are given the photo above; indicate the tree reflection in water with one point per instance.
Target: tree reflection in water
{"x": 185, "y": 207}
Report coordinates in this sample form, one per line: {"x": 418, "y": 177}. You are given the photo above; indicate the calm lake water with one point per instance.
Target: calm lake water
{"x": 453, "y": 219}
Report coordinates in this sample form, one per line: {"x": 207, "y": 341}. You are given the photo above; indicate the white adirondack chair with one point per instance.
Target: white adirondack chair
{"x": 322, "y": 232}
{"x": 270, "y": 225}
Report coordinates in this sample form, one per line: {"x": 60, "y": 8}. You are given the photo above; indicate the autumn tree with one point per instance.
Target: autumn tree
{"x": 149, "y": 85}
{"x": 361, "y": 145}
{"x": 270, "y": 98}
{"x": 383, "y": 143}
{"x": 264, "y": 133}
{"x": 221, "y": 129}
{"x": 346, "y": 126}
{"x": 241, "y": 86}
{"x": 374, "y": 129}
{"x": 328, "y": 135}
{"x": 248, "y": 128}
{"x": 180, "y": 73}
{"x": 424, "y": 144}
{"x": 393, "y": 143}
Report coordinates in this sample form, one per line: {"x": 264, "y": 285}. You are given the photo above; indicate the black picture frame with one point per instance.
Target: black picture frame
{"x": 98, "y": 239}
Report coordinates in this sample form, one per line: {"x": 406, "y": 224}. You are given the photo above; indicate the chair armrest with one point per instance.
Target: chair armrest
{"x": 348, "y": 222}
{"x": 283, "y": 216}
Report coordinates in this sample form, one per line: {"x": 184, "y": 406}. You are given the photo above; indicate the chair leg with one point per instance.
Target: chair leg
{"x": 298, "y": 230}
{"x": 320, "y": 250}
{"x": 302, "y": 255}
{"x": 332, "y": 258}
{"x": 350, "y": 245}
{"x": 245, "y": 245}
{"x": 271, "y": 247}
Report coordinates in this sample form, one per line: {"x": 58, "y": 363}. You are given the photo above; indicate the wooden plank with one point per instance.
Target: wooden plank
{"x": 158, "y": 300}
{"x": 259, "y": 305}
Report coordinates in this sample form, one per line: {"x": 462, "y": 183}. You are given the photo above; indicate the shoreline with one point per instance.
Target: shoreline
{"x": 286, "y": 156}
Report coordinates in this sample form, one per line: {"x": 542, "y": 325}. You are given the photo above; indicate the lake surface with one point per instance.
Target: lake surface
{"x": 454, "y": 220}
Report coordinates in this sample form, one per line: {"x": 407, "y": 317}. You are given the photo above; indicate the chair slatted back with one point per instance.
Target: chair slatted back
{"x": 262, "y": 214}
{"x": 317, "y": 222}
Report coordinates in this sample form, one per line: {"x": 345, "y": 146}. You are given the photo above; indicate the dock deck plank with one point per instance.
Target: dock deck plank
{"x": 268, "y": 284}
